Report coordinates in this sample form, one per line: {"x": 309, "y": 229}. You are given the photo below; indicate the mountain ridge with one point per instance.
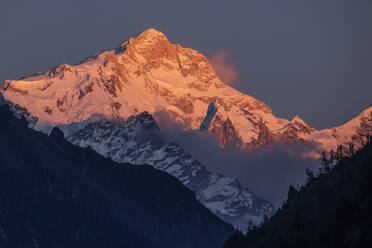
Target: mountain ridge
{"x": 56, "y": 194}
{"x": 139, "y": 141}
{"x": 148, "y": 73}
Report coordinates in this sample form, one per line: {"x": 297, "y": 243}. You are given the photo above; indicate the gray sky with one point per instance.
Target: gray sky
{"x": 312, "y": 58}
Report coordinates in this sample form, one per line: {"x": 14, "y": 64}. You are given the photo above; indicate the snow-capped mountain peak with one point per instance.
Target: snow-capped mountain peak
{"x": 300, "y": 125}
{"x": 148, "y": 75}
{"x": 150, "y": 37}
{"x": 151, "y": 74}
{"x": 297, "y": 119}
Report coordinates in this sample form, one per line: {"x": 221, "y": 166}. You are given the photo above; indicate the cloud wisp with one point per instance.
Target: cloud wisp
{"x": 266, "y": 172}
{"x": 225, "y": 68}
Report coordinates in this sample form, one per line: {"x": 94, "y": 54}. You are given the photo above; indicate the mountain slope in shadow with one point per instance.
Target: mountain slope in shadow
{"x": 333, "y": 209}
{"x": 55, "y": 194}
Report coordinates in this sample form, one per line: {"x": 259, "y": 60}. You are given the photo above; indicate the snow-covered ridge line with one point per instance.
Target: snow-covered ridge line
{"x": 138, "y": 141}
{"x": 168, "y": 77}
{"x": 148, "y": 73}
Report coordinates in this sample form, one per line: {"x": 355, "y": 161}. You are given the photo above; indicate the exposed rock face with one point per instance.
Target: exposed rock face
{"x": 224, "y": 130}
{"x": 265, "y": 136}
{"x": 293, "y": 130}
{"x": 211, "y": 112}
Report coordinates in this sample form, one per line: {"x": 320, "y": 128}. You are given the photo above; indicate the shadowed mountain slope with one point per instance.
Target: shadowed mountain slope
{"x": 55, "y": 194}
{"x": 334, "y": 209}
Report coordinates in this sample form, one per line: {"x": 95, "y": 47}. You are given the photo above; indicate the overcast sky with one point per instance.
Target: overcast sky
{"x": 311, "y": 58}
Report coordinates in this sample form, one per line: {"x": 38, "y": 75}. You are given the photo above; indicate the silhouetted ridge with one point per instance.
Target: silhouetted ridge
{"x": 334, "y": 209}
{"x": 55, "y": 194}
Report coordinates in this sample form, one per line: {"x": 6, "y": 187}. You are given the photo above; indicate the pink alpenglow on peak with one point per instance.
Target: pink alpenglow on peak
{"x": 149, "y": 77}
{"x": 152, "y": 74}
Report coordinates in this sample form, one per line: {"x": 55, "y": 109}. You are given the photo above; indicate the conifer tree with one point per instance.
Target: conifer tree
{"x": 310, "y": 175}
{"x": 323, "y": 158}
{"x": 339, "y": 153}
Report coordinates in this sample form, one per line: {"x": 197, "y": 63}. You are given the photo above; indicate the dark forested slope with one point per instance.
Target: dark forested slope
{"x": 54, "y": 194}
{"x": 334, "y": 209}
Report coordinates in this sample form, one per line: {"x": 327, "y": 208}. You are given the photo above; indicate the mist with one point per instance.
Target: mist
{"x": 225, "y": 69}
{"x": 267, "y": 172}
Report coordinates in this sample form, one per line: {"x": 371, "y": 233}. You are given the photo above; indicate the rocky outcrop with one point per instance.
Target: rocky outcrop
{"x": 211, "y": 112}
{"x": 224, "y": 130}
{"x": 292, "y": 131}
{"x": 265, "y": 137}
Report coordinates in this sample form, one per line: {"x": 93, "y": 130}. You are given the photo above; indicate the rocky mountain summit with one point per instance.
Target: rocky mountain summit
{"x": 148, "y": 75}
